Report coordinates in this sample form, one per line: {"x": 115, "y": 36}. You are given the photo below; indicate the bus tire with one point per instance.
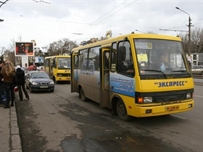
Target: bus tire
{"x": 82, "y": 95}
{"x": 121, "y": 111}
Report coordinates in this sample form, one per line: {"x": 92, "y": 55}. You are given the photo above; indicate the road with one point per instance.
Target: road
{"x": 197, "y": 76}
{"x": 61, "y": 122}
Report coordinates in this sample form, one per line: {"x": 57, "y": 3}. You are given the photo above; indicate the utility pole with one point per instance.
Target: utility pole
{"x": 189, "y": 30}
{"x": 189, "y": 36}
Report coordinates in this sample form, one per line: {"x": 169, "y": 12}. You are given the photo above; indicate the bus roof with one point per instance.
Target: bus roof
{"x": 58, "y": 56}
{"x": 107, "y": 42}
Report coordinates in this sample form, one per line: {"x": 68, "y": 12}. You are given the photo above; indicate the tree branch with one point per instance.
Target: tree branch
{"x": 2, "y": 3}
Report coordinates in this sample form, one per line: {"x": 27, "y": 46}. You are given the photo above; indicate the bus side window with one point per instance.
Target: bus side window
{"x": 113, "y": 57}
{"x": 76, "y": 61}
{"x": 97, "y": 62}
{"x": 106, "y": 60}
{"x": 122, "y": 64}
{"x": 125, "y": 61}
{"x": 95, "y": 59}
{"x": 54, "y": 62}
{"x": 83, "y": 60}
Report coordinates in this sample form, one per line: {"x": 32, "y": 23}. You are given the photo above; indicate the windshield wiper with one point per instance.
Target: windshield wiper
{"x": 157, "y": 71}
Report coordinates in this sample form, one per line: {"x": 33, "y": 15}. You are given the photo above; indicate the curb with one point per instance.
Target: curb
{"x": 14, "y": 131}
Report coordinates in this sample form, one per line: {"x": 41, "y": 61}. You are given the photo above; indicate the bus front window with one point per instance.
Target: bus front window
{"x": 64, "y": 63}
{"x": 162, "y": 57}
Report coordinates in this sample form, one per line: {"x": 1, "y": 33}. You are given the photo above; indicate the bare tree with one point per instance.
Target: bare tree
{"x": 3, "y": 49}
{"x": 61, "y": 47}
{"x": 196, "y": 41}
{"x": 11, "y": 57}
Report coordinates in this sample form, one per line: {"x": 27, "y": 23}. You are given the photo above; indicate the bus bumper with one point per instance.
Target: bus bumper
{"x": 63, "y": 79}
{"x": 164, "y": 109}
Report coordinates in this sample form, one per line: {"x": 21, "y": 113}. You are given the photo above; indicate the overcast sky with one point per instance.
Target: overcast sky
{"x": 47, "y": 21}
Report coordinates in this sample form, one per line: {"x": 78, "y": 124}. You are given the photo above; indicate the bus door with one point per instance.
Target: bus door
{"x": 104, "y": 102}
{"x": 74, "y": 72}
{"x": 52, "y": 64}
{"x": 47, "y": 66}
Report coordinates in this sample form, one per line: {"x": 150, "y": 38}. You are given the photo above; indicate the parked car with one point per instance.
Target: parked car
{"x": 197, "y": 69}
{"x": 39, "y": 81}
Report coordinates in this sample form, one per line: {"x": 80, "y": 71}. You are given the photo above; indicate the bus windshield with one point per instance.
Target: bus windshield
{"x": 155, "y": 56}
{"x": 64, "y": 63}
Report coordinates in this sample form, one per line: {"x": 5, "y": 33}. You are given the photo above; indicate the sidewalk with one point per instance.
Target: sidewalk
{"x": 9, "y": 131}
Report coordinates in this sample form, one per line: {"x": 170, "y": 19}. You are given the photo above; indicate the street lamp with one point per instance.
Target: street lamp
{"x": 189, "y": 29}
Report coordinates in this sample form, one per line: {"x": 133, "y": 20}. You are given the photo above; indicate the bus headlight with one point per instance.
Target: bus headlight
{"x": 188, "y": 96}
{"x": 144, "y": 100}
{"x": 147, "y": 99}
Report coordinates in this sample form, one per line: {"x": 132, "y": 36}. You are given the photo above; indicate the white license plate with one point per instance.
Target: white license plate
{"x": 43, "y": 86}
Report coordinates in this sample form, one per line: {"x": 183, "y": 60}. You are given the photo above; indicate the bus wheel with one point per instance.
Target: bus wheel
{"x": 82, "y": 95}
{"x": 121, "y": 111}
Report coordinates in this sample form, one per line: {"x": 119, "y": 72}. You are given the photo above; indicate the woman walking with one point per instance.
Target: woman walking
{"x": 8, "y": 73}
{"x": 20, "y": 80}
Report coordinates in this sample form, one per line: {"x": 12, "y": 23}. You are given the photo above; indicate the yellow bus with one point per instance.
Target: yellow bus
{"x": 58, "y": 67}
{"x": 124, "y": 74}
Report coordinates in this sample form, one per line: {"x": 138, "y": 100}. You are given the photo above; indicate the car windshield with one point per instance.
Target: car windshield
{"x": 39, "y": 75}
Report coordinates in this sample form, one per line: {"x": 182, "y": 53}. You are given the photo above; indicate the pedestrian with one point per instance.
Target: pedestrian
{"x": 8, "y": 73}
{"x": 20, "y": 80}
{"x": 1, "y": 84}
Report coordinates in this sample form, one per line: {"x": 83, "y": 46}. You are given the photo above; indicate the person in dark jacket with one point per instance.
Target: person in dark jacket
{"x": 20, "y": 80}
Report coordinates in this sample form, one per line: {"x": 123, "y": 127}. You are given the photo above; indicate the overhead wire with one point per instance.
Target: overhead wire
{"x": 103, "y": 15}
{"x": 110, "y": 15}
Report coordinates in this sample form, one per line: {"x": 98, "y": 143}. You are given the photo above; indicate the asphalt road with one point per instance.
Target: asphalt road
{"x": 61, "y": 122}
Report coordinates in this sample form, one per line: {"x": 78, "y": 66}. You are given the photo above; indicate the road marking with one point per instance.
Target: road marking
{"x": 178, "y": 117}
{"x": 198, "y": 96}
